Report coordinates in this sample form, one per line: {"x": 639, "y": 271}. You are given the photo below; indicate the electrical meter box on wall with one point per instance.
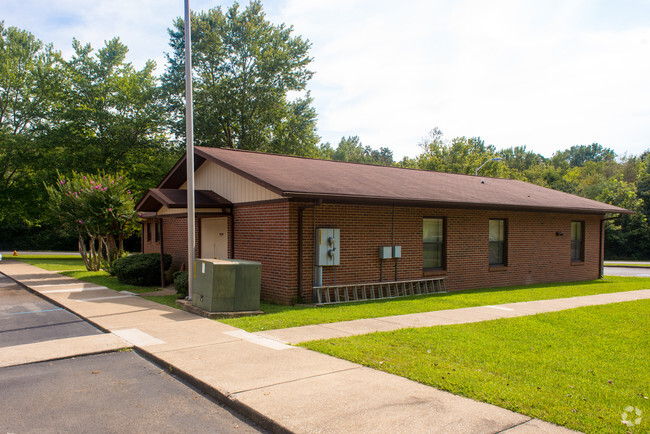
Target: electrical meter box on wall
{"x": 385, "y": 252}
{"x": 327, "y": 247}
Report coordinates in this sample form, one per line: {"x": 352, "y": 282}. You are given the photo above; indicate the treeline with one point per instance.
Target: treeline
{"x": 94, "y": 112}
{"x": 591, "y": 171}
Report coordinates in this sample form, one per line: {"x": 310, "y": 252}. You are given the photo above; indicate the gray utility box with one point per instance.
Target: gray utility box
{"x": 227, "y": 285}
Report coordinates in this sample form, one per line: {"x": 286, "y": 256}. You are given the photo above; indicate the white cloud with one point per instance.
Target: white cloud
{"x": 548, "y": 74}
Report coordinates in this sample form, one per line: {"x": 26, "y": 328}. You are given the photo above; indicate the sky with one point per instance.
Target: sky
{"x": 545, "y": 74}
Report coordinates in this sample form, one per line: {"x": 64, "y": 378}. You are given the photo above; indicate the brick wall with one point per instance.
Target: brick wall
{"x": 265, "y": 234}
{"x": 268, "y": 233}
{"x": 174, "y": 232}
{"x": 535, "y": 254}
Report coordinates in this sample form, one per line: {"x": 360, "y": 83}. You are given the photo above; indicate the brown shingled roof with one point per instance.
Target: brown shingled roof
{"x": 296, "y": 177}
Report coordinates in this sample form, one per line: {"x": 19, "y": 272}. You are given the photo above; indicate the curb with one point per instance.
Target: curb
{"x": 227, "y": 400}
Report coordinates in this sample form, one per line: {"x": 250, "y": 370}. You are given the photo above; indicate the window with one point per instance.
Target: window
{"x": 148, "y": 232}
{"x": 433, "y": 238}
{"x": 497, "y": 239}
{"x": 157, "y": 232}
{"x": 577, "y": 241}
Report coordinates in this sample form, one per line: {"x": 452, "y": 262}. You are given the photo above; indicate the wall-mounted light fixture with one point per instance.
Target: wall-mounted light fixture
{"x": 559, "y": 234}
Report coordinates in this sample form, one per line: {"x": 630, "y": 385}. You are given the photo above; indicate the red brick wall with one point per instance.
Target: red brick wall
{"x": 268, "y": 233}
{"x": 535, "y": 254}
{"x": 174, "y": 231}
{"x": 265, "y": 234}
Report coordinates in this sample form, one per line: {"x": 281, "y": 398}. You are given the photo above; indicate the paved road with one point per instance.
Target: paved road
{"x": 112, "y": 392}
{"x": 627, "y": 271}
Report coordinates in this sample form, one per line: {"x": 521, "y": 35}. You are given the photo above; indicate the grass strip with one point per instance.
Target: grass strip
{"x": 277, "y": 317}
{"x": 579, "y": 368}
{"x": 73, "y": 266}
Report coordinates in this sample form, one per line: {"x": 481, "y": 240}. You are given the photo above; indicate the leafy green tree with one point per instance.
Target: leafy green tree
{"x": 350, "y": 149}
{"x": 245, "y": 68}
{"x": 99, "y": 209}
{"x": 577, "y": 156}
{"x": 110, "y": 117}
{"x": 460, "y": 155}
{"x": 28, "y": 83}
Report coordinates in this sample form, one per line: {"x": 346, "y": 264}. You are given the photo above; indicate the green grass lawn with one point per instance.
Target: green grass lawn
{"x": 277, "y": 317}
{"x": 578, "y": 368}
{"x": 53, "y": 262}
{"x": 73, "y": 266}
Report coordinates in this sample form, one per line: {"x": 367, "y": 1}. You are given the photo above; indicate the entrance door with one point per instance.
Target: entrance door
{"x": 214, "y": 238}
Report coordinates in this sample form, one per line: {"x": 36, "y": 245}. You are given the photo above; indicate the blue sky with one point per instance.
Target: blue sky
{"x": 547, "y": 74}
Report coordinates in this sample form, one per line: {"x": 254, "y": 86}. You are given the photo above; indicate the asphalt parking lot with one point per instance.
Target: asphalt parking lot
{"x": 26, "y": 318}
{"x": 113, "y": 392}
{"x": 110, "y": 392}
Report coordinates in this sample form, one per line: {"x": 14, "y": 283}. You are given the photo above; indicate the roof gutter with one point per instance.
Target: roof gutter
{"x": 410, "y": 202}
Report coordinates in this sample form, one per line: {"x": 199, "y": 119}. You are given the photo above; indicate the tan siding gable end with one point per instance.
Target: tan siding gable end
{"x": 230, "y": 185}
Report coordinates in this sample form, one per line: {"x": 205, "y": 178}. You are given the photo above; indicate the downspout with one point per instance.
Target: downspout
{"x": 601, "y": 250}
{"x": 300, "y": 242}
{"x": 232, "y": 233}
{"x": 393, "y": 243}
{"x": 162, "y": 252}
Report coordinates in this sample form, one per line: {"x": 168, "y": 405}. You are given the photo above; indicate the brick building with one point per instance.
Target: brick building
{"x": 314, "y": 223}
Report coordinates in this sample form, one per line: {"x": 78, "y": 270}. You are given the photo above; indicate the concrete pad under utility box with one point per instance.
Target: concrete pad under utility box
{"x": 227, "y": 285}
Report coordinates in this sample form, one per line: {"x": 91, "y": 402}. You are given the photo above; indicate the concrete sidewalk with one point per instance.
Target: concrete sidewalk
{"x": 284, "y": 388}
{"x": 342, "y": 329}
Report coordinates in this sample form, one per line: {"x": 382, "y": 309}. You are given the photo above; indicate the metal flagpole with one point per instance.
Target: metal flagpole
{"x": 189, "y": 152}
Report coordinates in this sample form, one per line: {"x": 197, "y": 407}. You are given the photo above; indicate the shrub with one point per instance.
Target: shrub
{"x": 142, "y": 270}
{"x": 181, "y": 284}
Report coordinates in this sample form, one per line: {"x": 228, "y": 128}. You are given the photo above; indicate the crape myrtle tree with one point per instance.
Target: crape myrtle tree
{"x": 99, "y": 209}
{"x": 244, "y": 71}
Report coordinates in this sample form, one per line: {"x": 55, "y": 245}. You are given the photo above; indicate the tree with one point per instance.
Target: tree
{"x": 460, "y": 155}
{"x": 110, "y": 117}
{"x": 99, "y": 209}
{"x": 28, "y": 78}
{"x": 244, "y": 70}
{"x": 578, "y": 155}
{"x": 350, "y": 149}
